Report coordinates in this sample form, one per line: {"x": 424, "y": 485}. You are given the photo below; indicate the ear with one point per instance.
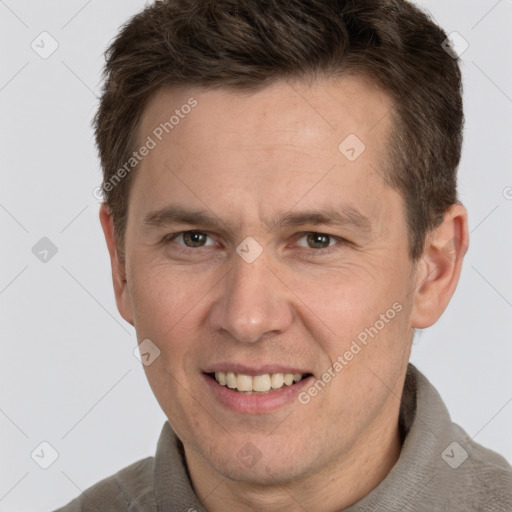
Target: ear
{"x": 118, "y": 265}
{"x": 439, "y": 268}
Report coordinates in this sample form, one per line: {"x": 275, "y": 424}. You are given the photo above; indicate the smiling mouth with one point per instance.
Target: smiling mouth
{"x": 258, "y": 384}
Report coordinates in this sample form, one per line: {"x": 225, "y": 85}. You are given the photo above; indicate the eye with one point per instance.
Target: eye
{"x": 190, "y": 239}
{"x": 321, "y": 242}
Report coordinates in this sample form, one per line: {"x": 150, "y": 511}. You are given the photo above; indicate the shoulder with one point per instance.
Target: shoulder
{"x": 441, "y": 463}
{"x": 485, "y": 476}
{"x": 130, "y": 489}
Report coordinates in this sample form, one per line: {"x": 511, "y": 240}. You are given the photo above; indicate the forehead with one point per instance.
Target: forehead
{"x": 288, "y": 110}
{"x": 267, "y": 149}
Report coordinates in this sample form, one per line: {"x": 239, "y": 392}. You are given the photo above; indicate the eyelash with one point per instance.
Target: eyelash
{"x": 316, "y": 252}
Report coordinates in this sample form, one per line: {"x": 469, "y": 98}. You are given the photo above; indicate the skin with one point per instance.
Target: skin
{"x": 244, "y": 158}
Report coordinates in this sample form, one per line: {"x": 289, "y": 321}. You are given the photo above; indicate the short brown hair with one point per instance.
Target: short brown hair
{"x": 246, "y": 44}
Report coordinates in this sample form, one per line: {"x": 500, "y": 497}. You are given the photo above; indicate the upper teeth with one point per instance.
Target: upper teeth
{"x": 259, "y": 383}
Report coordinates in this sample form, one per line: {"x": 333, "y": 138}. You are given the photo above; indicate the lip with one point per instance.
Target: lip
{"x": 257, "y": 403}
{"x": 254, "y": 370}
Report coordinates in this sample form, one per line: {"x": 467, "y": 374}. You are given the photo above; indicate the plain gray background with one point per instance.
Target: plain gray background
{"x": 69, "y": 376}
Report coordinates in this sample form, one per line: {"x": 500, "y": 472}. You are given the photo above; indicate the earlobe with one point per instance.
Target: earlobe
{"x": 439, "y": 269}
{"x": 118, "y": 265}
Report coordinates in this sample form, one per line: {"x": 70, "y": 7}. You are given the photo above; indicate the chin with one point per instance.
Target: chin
{"x": 261, "y": 461}
{"x": 269, "y": 473}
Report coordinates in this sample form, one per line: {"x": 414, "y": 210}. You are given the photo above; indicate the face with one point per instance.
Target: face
{"x": 256, "y": 245}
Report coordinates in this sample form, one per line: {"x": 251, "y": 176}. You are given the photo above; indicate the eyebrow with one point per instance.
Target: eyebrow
{"x": 344, "y": 215}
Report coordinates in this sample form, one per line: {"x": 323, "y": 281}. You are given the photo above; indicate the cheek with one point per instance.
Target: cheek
{"x": 166, "y": 308}
{"x": 345, "y": 300}
{"x": 361, "y": 317}
{"x": 162, "y": 297}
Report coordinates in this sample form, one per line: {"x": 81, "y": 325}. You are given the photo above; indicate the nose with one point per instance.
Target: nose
{"x": 252, "y": 303}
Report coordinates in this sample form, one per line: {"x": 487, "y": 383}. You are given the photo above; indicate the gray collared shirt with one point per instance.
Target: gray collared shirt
{"x": 440, "y": 468}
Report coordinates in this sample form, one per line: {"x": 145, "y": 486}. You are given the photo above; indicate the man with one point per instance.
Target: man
{"x": 281, "y": 215}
